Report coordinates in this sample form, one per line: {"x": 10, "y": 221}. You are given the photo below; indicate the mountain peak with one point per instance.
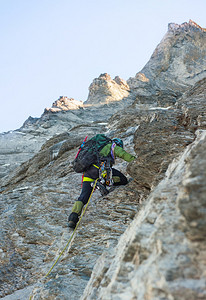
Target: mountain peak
{"x": 177, "y": 63}
{"x": 104, "y": 89}
{"x": 63, "y": 104}
{"x": 185, "y": 26}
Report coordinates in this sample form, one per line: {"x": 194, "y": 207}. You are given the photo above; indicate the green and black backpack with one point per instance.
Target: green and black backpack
{"x": 89, "y": 152}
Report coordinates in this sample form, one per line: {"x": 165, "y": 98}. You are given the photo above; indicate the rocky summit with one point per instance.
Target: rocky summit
{"x": 145, "y": 240}
{"x": 106, "y": 90}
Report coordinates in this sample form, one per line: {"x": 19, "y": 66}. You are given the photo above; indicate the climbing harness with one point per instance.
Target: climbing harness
{"x": 73, "y": 231}
{"x": 105, "y": 177}
{"x": 105, "y": 172}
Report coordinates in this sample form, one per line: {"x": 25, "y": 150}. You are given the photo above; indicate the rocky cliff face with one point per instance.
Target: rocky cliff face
{"x": 162, "y": 253}
{"x": 142, "y": 241}
{"x": 176, "y": 64}
{"x": 20, "y": 145}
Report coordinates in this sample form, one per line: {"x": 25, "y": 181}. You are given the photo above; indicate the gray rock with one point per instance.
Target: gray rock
{"x": 177, "y": 63}
{"x": 163, "y": 124}
{"x": 161, "y": 255}
{"x": 105, "y": 90}
{"x": 64, "y": 104}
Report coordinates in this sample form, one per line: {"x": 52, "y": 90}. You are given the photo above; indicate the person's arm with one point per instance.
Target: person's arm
{"x": 119, "y": 152}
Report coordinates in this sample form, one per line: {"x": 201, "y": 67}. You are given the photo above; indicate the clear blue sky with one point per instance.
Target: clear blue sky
{"x": 51, "y": 48}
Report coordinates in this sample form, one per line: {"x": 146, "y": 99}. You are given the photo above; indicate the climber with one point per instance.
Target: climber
{"x": 101, "y": 170}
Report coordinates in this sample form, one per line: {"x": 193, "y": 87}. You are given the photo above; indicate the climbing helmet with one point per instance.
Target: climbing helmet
{"x": 118, "y": 142}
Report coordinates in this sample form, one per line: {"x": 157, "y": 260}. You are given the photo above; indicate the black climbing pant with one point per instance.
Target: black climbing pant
{"x": 118, "y": 178}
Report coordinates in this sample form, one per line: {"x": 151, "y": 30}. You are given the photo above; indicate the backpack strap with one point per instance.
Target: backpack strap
{"x": 112, "y": 151}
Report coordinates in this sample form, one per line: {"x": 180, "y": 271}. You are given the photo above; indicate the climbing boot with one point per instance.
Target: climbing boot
{"x": 73, "y": 220}
{"x": 102, "y": 188}
{"x": 71, "y": 224}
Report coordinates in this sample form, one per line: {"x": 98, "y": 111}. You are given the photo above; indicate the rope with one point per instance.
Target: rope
{"x": 73, "y": 231}
{"x": 71, "y": 235}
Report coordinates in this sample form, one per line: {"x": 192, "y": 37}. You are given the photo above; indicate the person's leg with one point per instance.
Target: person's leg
{"x": 118, "y": 177}
{"x": 78, "y": 205}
